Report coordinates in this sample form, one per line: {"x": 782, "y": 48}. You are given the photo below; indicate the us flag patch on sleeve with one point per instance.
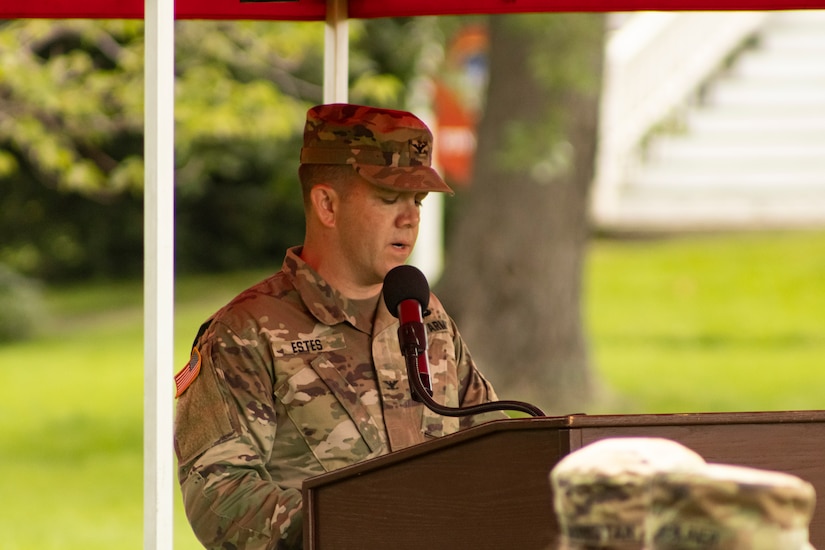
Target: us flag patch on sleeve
{"x": 188, "y": 373}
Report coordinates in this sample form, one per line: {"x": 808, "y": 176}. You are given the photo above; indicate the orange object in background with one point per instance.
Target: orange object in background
{"x": 459, "y": 90}
{"x": 456, "y": 142}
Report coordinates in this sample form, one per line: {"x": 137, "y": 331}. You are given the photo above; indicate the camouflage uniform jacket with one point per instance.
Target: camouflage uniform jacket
{"x": 276, "y": 401}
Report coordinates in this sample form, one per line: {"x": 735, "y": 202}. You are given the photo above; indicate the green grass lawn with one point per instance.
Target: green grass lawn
{"x": 72, "y": 417}
{"x": 683, "y": 325}
{"x": 710, "y": 323}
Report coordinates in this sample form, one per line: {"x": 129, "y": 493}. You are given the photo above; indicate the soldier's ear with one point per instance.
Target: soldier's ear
{"x": 325, "y": 202}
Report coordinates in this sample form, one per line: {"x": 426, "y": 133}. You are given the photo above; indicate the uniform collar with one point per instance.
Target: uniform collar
{"x": 328, "y": 305}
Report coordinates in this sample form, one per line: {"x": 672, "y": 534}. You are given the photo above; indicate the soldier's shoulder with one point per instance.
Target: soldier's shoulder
{"x": 261, "y": 298}
{"x": 277, "y": 287}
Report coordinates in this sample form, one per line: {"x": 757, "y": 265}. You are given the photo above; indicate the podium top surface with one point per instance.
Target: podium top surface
{"x": 571, "y": 422}
{"x": 496, "y": 475}
{"x": 677, "y": 419}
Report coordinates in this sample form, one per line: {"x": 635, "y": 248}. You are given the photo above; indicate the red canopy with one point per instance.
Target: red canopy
{"x": 308, "y": 10}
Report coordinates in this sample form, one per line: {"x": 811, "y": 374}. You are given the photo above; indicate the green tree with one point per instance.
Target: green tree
{"x": 70, "y": 145}
{"x": 515, "y": 259}
{"x": 71, "y": 137}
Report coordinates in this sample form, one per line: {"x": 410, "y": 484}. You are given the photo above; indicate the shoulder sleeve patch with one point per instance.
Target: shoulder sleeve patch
{"x": 187, "y": 374}
{"x": 203, "y": 419}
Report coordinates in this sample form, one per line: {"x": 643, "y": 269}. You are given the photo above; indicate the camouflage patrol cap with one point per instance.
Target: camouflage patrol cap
{"x": 601, "y": 491}
{"x": 390, "y": 149}
{"x": 725, "y": 507}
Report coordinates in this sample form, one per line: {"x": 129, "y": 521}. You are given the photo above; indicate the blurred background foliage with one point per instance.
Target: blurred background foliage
{"x": 71, "y": 136}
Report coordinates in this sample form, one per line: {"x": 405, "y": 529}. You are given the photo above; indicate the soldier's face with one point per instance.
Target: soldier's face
{"x": 378, "y": 229}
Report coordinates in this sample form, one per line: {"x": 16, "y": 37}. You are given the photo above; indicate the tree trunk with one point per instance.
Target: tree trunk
{"x": 515, "y": 258}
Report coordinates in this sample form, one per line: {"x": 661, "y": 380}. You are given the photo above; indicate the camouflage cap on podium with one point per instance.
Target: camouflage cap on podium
{"x": 724, "y": 507}
{"x": 391, "y": 149}
{"x": 601, "y": 491}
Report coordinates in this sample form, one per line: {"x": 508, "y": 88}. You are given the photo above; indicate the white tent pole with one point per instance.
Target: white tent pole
{"x": 158, "y": 281}
{"x": 336, "y": 52}
{"x": 428, "y": 254}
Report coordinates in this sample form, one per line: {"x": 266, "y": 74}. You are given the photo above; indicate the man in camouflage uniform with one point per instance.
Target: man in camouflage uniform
{"x": 302, "y": 373}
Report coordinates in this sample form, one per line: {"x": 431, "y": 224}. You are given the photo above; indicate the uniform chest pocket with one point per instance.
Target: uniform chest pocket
{"x": 327, "y": 414}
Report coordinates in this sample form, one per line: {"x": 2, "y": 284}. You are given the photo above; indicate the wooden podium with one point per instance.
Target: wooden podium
{"x": 488, "y": 487}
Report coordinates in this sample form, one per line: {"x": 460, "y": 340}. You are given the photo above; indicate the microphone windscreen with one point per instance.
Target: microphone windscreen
{"x": 405, "y": 282}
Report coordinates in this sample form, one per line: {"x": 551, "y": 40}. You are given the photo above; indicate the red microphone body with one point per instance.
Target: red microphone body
{"x": 407, "y": 294}
{"x": 412, "y": 337}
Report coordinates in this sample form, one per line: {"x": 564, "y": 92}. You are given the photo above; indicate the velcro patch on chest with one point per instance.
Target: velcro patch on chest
{"x": 437, "y": 325}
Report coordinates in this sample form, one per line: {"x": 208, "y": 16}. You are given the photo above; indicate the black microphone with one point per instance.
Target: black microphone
{"x": 407, "y": 294}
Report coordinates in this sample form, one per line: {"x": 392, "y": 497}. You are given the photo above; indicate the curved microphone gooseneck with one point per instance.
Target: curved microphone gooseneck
{"x": 407, "y": 295}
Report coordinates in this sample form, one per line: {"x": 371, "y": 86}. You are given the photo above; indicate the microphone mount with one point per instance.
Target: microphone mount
{"x": 424, "y": 395}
